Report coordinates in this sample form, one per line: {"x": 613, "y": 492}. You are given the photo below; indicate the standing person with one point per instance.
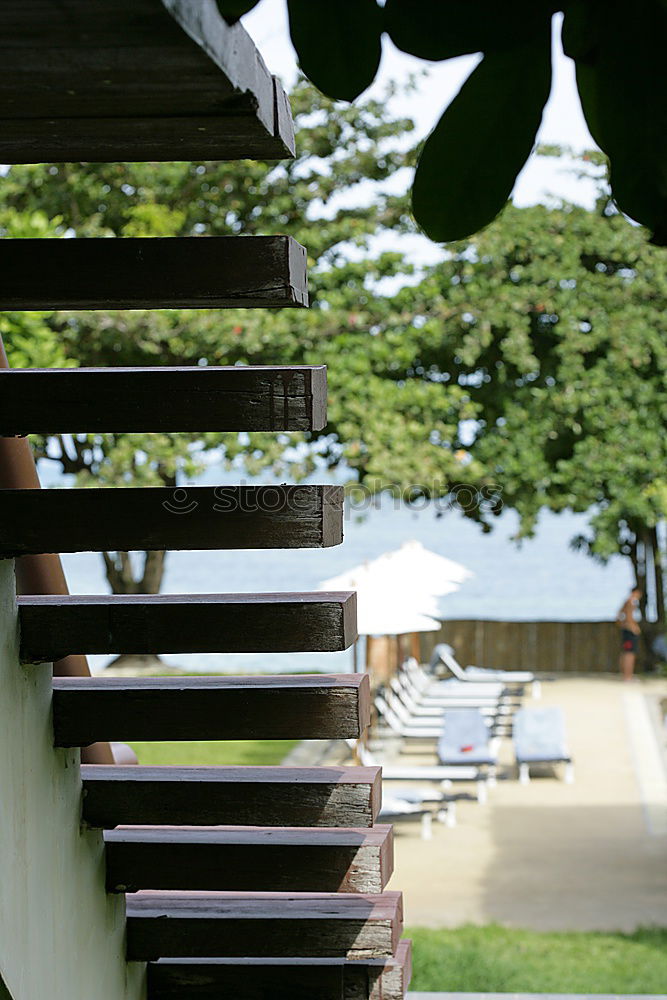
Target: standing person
{"x": 630, "y": 632}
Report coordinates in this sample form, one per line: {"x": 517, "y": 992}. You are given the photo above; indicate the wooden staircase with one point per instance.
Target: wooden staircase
{"x": 251, "y": 882}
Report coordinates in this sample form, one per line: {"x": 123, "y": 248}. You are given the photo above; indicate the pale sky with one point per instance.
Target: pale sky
{"x": 563, "y": 121}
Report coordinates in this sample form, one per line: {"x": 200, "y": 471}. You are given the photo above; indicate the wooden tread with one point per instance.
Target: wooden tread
{"x": 141, "y": 400}
{"x": 396, "y": 975}
{"x": 119, "y": 80}
{"x": 191, "y": 272}
{"x": 231, "y": 796}
{"x": 282, "y": 978}
{"x": 306, "y": 925}
{"x": 134, "y": 709}
{"x": 197, "y": 517}
{"x": 249, "y": 859}
{"x": 52, "y": 627}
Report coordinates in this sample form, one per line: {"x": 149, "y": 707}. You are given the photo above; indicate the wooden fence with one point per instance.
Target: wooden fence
{"x": 563, "y": 647}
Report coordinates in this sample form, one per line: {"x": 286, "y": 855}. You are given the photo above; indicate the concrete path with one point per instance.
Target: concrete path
{"x": 550, "y": 856}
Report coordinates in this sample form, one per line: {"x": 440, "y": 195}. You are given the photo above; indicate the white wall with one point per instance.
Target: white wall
{"x": 61, "y": 936}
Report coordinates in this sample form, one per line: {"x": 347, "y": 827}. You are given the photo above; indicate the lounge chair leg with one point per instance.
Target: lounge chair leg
{"x": 491, "y": 780}
{"x": 427, "y": 826}
{"x": 569, "y": 774}
{"x": 447, "y": 783}
{"x": 537, "y": 689}
{"x": 447, "y": 815}
{"x": 524, "y": 774}
{"x": 482, "y": 793}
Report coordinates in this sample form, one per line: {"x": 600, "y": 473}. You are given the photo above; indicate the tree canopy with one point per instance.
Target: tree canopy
{"x": 389, "y": 430}
{"x": 471, "y": 159}
{"x": 555, "y": 323}
{"x": 531, "y": 359}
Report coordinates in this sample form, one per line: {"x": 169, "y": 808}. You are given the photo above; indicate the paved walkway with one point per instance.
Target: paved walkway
{"x": 550, "y": 856}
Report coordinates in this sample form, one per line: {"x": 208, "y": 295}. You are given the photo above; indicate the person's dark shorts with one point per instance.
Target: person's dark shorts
{"x": 629, "y": 641}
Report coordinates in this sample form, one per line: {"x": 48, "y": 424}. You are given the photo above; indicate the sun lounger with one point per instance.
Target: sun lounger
{"x": 430, "y": 724}
{"x": 444, "y": 653}
{"x": 466, "y": 741}
{"x": 411, "y": 803}
{"x": 430, "y": 688}
{"x": 403, "y": 704}
{"x": 405, "y": 729}
{"x": 497, "y": 716}
{"x": 539, "y": 738}
{"x": 482, "y": 753}
{"x": 444, "y": 776}
{"x": 395, "y": 808}
{"x": 462, "y": 694}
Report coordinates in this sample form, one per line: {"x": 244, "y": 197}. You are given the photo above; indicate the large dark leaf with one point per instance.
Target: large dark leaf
{"x": 233, "y": 10}
{"x": 443, "y": 29}
{"x": 621, "y": 82}
{"x": 338, "y": 44}
{"x": 581, "y": 33}
{"x": 470, "y": 161}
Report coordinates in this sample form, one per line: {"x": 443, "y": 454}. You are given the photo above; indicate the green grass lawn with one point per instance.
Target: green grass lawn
{"x": 199, "y": 753}
{"x": 494, "y": 959}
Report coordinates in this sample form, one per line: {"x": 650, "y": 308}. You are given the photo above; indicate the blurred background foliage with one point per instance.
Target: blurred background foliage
{"x": 532, "y": 355}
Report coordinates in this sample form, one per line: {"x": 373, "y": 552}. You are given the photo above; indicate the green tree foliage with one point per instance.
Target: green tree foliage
{"x": 555, "y": 323}
{"x": 471, "y": 159}
{"x": 545, "y": 334}
{"x": 388, "y": 429}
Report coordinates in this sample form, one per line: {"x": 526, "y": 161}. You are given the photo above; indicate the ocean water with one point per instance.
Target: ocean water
{"x": 543, "y": 578}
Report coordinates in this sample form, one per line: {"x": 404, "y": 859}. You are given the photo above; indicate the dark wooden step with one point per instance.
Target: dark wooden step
{"x": 196, "y": 517}
{"x": 55, "y": 626}
{"x": 307, "y": 925}
{"x": 191, "y": 272}
{"x": 396, "y": 975}
{"x": 134, "y": 709}
{"x": 249, "y": 859}
{"x": 255, "y": 979}
{"x": 231, "y": 796}
{"x": 134, "y": 80}
{"x": 282, "y": 978}
{"x": 138, "y": 400}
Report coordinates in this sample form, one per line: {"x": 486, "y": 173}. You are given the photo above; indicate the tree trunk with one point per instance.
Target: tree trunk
{"x": 659, "y": 576}
{"x": 132, "y": 664}
{"x": 639, "y": 567}
{"x": 647, "y": 562}
{"x": 123, "y": 579}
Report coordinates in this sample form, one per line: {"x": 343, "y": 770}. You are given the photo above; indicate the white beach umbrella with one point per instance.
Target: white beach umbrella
{"x": 413, "y": 572}
{"x": 383, "y": 611}
{"x": 397, "y": 592}
{"x": 385, "y": 604}
{"x": 436, "y": 574}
